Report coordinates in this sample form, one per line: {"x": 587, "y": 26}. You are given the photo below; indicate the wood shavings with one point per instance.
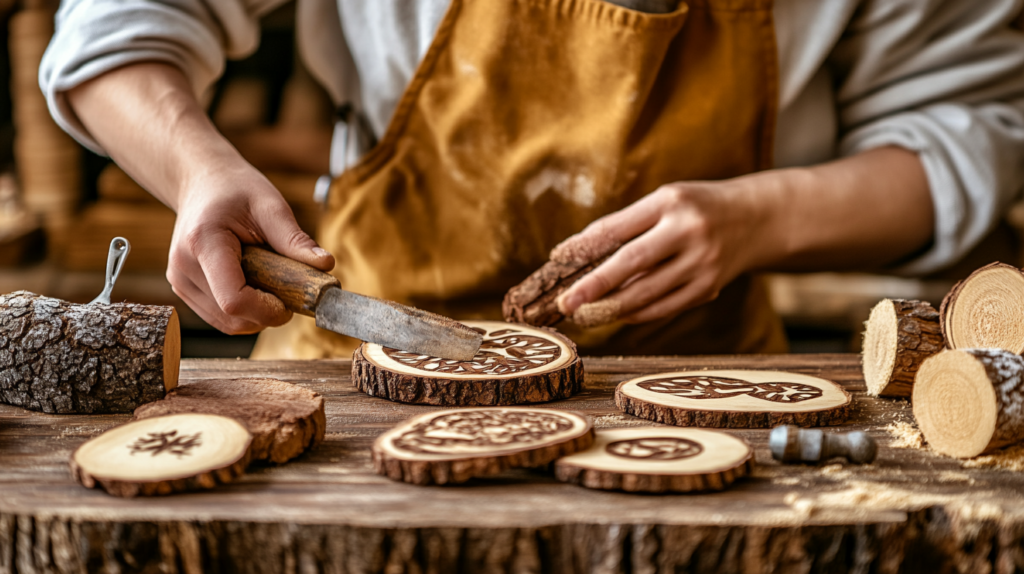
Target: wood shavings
{"x": 612, "y": 421}
{"x": 905, "y": 435}
{"x": 1011, "y": 458}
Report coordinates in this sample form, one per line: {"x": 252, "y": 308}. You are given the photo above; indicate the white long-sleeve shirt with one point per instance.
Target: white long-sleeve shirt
{"x": 944, "y": 78}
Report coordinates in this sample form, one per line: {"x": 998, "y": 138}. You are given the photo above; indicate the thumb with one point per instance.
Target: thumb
{"x": 287, "y": 238}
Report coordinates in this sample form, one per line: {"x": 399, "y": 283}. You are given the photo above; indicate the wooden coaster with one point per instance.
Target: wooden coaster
{"x": 899, "y": 335}
{"x": 516, "y": 364}
{"x": 734, "y": 399}
{"x": 969, "y": 402}
{"x": 285, "y": 420}
{"x": 986, "y": 310}
{"x": 658, "y": 459}
{"x": 452, "y": 446}
{"x": 162, "y": 455}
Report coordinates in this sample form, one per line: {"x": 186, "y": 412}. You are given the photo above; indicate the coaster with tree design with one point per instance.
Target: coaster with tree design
{"x": 734, "y": 399}
{"x": 453, "y": 446}
{"x": 516, "y": 364}
{"x": 658, "y": 459}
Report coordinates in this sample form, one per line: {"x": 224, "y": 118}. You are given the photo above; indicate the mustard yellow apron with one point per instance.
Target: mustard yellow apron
{"x": 527, "y": 120}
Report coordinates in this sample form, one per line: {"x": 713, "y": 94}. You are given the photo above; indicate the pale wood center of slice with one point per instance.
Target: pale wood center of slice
{"x": 509, "y": 350}
{"x": 164, "y": 448}
{"x": 172, "y": 352}
{"x": 661, "y": 450}
{"x": 470, "y": 433}
{"x": 955, "y": 404}
{"x": 736, "y": 390}
{"x": 880, "y": 345}
{"x": 988, "y": 311}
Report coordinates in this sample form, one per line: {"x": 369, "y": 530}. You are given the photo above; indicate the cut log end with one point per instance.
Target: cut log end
{"x": 986, "y": 310}
{"x": 172, "y": 351}
{"x": 968, "y": 402}
{"x": 163, "y": 455}
{"x": 899, "y": 335}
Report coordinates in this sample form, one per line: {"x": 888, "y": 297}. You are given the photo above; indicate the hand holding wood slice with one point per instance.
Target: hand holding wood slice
{"x": 658, "y": 459}
{"x": 60, "y": 357}
{"x": 899, "y": 335}
{"x": 734, "y": 399}
{"x": 453, "y": 446}
{"x": 285, "y": 420}
{"x": 986, "y": 310}
{"x": 162, "y": 455}
{"x": 516, "y": 364}
{"x": 970, "y": 401}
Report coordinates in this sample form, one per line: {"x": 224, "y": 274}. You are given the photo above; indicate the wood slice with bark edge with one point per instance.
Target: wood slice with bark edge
{"x": 495, "y": 377}
{"x": 970, "y": 401}
{"x": 986, "y": 310}
{"x": 60, "y": 357}
{"x": 285, "y": 419}
{"x": 898, "y": 336}
{"x": 163, "y": 455}
{"x": 734, "y": 399}
{"x": 658, "y": 459}
{"x": 448, "y": 447}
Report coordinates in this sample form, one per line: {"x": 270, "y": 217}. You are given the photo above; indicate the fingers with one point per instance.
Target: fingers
{"x": 207, "y": 309}
{"x": 697, "y": 292}
{"x": 283, "y": 233}
{"x": 605, "y": 234}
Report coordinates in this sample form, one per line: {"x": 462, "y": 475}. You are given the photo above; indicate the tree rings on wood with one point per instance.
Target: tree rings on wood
{"x": 658, "y": 459}
{"x": 453, "y": 446}
{"x": 968, "y": 402}
{"x": 986, "y": 310}
{"x": 516, "y": 364}
{"x": 734, "y": 399}
{"x": 162, "y": 455}
{"x": 285, "y": 419}
{"x": 61, "y": 357}
{"x": 899, "y": 335}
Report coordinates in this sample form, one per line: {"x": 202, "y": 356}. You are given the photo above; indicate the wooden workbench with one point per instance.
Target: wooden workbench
{"x": 328, "y": 512}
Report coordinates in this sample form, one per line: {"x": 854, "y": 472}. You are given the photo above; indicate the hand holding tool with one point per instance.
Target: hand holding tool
{"x": 793, "y": 444}
{"x": 312, "y": 292}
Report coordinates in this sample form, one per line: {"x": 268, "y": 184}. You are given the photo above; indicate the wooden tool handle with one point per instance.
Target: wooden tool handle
{"x": 297, "y": 284}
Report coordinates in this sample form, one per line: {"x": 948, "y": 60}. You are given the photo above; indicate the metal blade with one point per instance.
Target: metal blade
{"x": 396, "y": 326}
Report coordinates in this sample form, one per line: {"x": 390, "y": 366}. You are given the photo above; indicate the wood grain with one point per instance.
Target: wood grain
{"x": 329, "y": 511}
{"x": 296, "y": 284}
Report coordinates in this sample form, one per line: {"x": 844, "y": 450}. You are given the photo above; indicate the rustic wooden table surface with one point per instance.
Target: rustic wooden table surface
{"x": 911, "y": 510}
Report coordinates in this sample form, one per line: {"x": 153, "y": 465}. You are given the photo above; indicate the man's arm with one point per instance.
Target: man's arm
{"x": 146, "y": 117}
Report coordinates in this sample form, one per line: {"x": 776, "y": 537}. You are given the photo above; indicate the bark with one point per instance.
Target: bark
{"x": 60, "y": 357}
{"x": 535, "y": 300}
{"x": 1006, "y": 372}
{"x": 130, "y": 489}
{"x": 285, "y": 419}
{"x": 653, "y": 483}
{"x": 918, "y": 336}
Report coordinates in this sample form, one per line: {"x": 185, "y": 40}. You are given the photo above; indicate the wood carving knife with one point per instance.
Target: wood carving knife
{"x": 312, "y": 292}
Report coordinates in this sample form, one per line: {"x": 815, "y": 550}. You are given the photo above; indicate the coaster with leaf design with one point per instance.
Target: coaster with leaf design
{"x": 453, "y": 446}
{"x": 516, "y": 364}
{"x": 164, "y": 454}
{"x": 658, "y": 459}
{"x": 734, "y": 399}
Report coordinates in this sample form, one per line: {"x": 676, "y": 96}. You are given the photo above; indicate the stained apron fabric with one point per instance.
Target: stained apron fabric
{"x": 525, "y": 121}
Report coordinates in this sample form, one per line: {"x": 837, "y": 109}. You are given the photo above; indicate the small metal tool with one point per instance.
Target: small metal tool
{"x": 119, "y": 248}
{"x": 793, "y": 444}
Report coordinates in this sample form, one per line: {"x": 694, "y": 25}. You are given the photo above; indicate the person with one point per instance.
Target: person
{"x": 713, "y": 138}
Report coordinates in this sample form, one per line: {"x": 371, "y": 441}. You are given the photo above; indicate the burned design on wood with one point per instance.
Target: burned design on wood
{"x": 655, "y": 448}
{"x": 475, "y": 429}
{"x": 723, "y": 388}
{"x": 503, "y": 352}
{"x": 170, "y": 442}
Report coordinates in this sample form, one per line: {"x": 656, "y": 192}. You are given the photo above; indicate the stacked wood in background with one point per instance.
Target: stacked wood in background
{"x": 48, "y": 161}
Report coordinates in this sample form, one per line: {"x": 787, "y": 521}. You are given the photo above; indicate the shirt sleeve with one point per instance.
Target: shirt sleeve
{"x": 943, "y": 79}
{"x": 93, "y": 37}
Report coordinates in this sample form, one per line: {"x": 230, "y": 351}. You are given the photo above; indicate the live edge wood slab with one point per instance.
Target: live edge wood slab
{"x": 328, "y": 511}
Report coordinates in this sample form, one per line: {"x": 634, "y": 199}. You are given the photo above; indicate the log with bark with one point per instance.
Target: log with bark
{"x": 285, "y": 419}
{"x": 970, "y": 401}
{"x": 453, "y": 446}
{"x": 60, "y": 357}
{"x": 899, "y": 335}
{"x": 734, "y": 399}
{"x": 163, "y": 455}
{"x": 658, "y": 459}
{"x": 516, "y": 364}
{"x": 986, "y": 310}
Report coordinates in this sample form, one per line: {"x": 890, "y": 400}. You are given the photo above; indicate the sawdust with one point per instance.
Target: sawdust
{"x": 613, "y": 421}
{"x": 1011, "y": 458}
{"x": 595, "y": 314}
{"x": 905, "y": 435}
